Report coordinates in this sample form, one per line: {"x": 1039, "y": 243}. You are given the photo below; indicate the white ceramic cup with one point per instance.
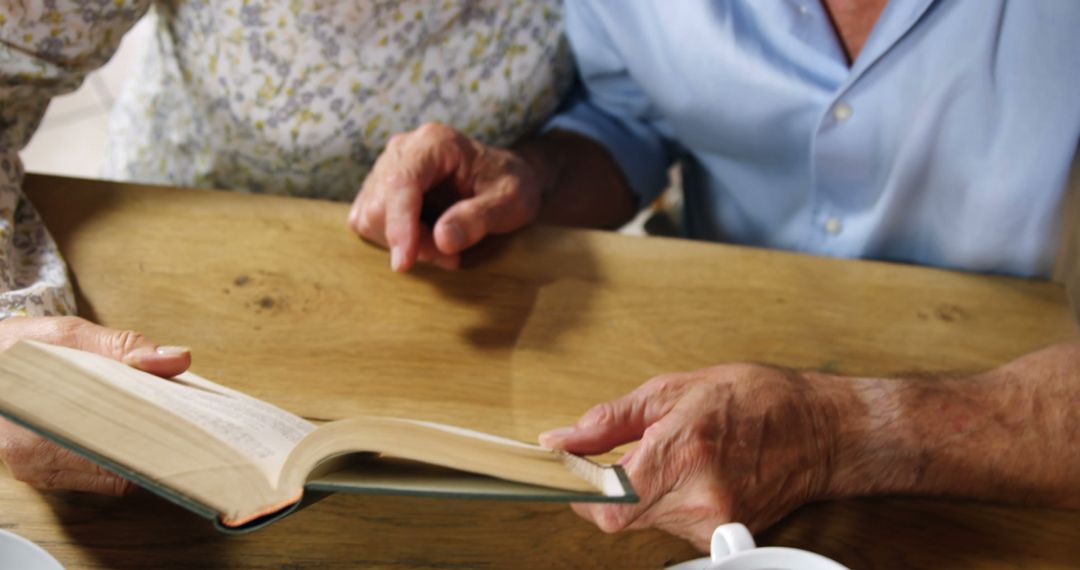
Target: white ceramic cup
{"x": 17, "y": 552}
{"x": 733, "y": 548}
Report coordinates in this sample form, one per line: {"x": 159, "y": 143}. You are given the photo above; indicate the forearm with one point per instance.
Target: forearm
{"x": 1011, "y": 434}
{"x": 582, "y": 184}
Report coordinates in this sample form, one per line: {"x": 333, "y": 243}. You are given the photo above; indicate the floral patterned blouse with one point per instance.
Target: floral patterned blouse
{"x": 269, "y": 96}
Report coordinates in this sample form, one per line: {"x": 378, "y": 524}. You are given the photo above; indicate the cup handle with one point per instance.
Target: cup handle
{"x": 728, "y": 539}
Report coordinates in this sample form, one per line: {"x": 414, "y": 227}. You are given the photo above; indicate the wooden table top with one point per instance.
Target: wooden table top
{"x": 277, "y": 298}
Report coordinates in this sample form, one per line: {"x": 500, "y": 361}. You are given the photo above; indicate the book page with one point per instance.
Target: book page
{"x": 258, "y": 430}
{"x": 445, "y": 446}
{"x": 261, "y": 431}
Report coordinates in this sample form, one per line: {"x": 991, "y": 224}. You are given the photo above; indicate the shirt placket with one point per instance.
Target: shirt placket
{"x": 841, "y": 152}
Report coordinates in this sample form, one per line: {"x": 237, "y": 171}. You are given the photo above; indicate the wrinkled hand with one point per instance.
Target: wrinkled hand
{"x": 738, "y": 443}
{"x": 45, "y": 465}
{"x": 483, "y": 190}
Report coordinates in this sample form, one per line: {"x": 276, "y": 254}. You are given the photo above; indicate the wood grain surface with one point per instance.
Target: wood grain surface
{"x": 278, "y": 299}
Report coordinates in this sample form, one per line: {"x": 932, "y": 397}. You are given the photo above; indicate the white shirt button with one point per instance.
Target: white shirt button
{"x": 842, "y": 112}
{"x": 833, "y": 226}
{"x": 803, "y": 9}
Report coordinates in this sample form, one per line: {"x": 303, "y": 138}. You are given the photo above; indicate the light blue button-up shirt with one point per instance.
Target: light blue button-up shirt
{"x": 947, "y": 142}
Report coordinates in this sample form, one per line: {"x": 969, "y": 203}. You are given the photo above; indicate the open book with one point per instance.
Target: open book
{"x": 244, "y": 462}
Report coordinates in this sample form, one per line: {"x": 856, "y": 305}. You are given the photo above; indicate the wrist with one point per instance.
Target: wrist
{"x": 917, "y": 436}
{"x": 544, "y": 161}
{"x": 873, "y": 447}
{"x": 580, "y": 183}
{"x": 1008, "y": 434}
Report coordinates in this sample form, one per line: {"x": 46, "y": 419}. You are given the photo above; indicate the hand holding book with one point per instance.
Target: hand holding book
{"x": 45, "y": 465}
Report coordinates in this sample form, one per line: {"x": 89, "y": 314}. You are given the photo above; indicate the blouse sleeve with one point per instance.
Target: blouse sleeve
{"x": 46, "y": 49}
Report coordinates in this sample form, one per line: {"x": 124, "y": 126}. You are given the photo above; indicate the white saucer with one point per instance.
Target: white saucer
{"x": 17, "y": 552}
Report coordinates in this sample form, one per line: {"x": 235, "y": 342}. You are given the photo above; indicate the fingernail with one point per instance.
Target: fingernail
{"x": 396, "y": 258}
{"x": 172, "y": 350}
{"x": 145, "y": 355}
{"x": 455, "y": 237}
{"x": 551, "y": 438}
{"x": 352, "y": 216}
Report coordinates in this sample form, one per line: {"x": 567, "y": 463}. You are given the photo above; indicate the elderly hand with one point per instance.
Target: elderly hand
{"x": 484, "y": 190}
{"x": 45, "y": 465}
{"x": 738, "y": 443}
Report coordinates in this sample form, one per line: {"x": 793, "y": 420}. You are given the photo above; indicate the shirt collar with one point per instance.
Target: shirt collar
{"x": 895, "y": 21}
